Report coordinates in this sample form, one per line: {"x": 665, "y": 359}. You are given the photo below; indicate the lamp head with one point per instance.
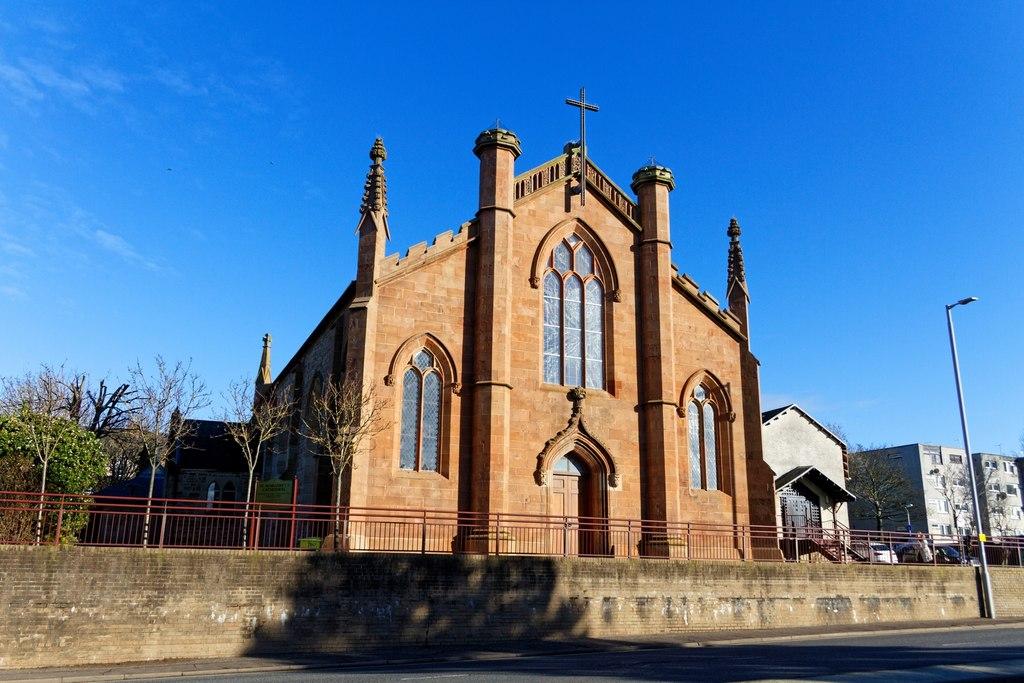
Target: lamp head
{"x": 968, "y": 300}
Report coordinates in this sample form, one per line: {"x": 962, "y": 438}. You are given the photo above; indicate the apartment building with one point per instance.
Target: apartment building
{"x": 940, "y": 501}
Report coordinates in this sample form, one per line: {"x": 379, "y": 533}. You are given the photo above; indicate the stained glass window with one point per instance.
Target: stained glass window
{"x": 552, "y": 328}
{"x": 562, "y": 257}
{"x": 693, "y": 418}
{"x": 431, "y": 420}
{"x": 584, "y": 261}
{"x": 572, "y": 327}
{"x": 594, "y": 325}
{"x": 703, "y": 441}
{"x": 573, "y": 317}
{"x": 710, "y": 450}
{"x": 410, "y": 419}
{"x": 420, "y": 446}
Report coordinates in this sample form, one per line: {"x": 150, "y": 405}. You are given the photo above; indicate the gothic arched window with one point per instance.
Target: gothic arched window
{"x": 703, "y": 441}
{"x": 421, "y": 414}
{"x": 573, "y": 317}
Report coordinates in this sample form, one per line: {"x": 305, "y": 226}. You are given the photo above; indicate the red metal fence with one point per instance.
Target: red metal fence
{"x": 28, "y": 518}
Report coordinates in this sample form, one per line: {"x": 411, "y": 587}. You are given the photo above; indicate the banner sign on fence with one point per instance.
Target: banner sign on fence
{"x": 274, "y": 491}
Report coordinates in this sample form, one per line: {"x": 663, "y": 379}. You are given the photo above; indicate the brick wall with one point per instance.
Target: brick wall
{"x": 1008, "y": 589}
{"x": 80, "y": 605}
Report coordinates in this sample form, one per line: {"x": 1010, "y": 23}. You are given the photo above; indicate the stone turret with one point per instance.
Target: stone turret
{"x": 497, "y": 150}
{"x": 658, "y": 402}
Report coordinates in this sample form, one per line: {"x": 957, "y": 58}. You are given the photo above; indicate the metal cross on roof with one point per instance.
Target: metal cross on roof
{"x": 584, "y": 107}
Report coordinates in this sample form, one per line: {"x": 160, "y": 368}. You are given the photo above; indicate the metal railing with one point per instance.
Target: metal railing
{"x": 31, "y": 518}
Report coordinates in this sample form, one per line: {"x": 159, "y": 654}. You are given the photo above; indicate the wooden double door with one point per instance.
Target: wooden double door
{"x": 577, "y": 498}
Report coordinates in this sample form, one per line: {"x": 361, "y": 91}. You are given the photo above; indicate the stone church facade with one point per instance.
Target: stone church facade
{"x": 547, "y": 358}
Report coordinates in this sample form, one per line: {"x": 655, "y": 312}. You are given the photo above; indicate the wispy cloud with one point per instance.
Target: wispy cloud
{"x": 18, "y": 84}
{"x": 178, "y": 81}
{"x": 120, "y": 246}
{"x": 48, "y": 25}
{"x": 13, "y": 293}
{"x": 29, "y": 81}
{"x": 14, "y": 246}
{"x": 45, "y": 227}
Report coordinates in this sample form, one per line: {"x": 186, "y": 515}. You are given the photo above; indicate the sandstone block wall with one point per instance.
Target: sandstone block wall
{"x": 93, "y": 605}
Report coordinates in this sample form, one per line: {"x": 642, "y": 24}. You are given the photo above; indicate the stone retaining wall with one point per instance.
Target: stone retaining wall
{"x": 101, "y": 605}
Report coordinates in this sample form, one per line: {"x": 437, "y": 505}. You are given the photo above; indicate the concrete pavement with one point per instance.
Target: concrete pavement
{"x": 966, "y": 649}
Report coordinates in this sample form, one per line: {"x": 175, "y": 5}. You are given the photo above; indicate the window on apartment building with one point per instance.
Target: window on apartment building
{"x": 946, "y": 529}
{"x": 936, "y": 458}
{"x": 943, "y": 506}
{"x": 1013, "y": 469}
{"x": 955, "y": 459}
{"x": 991, "y": 465}
{"x": 994, "y": 487}
{"x": 1011, "y": 489}
{"x": 1017, "y": 513}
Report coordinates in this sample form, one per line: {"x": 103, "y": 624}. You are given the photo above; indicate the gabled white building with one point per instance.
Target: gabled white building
{"x": 810, "y": 469}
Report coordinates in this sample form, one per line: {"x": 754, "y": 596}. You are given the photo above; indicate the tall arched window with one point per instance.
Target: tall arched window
{"x": 703, "y": 441}
{"x": 573, "y": 317}
{"x": 421, "y": 414}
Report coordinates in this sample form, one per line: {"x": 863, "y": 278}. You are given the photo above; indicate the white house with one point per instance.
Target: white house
{"x": 810, "y": 468}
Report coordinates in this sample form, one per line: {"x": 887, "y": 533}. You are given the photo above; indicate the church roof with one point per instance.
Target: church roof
{"x": 208, "y": 446}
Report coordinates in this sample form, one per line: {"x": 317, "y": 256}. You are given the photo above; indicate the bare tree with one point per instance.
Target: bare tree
{"x": 102, "y": 410}
{"x": 954, "y": 485}
{"x": 124, "y": 455}
{"x": 251, "y": 425}
{"x": 43, "y": 392}
{"x": 162, "y": 400}
{"x": 45, "y": 435}
{"x": 340, "y": 417}
{"x": 38, "y": 403}
{"x": 881, "y": 486}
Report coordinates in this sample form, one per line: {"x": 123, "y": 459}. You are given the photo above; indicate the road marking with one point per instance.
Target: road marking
{"x": 427, "y": 678}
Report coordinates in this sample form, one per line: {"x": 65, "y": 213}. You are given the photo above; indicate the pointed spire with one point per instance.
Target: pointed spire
{"x": 736, "y": 272}
{"x": 375, "y": 191}
{"x": 263, "y": 377}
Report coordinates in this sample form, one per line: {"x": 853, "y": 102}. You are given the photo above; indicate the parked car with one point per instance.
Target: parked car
{"x": 883, "y": 553}
{"x": 909, "y": 553}
{"x": 950, "y": 554}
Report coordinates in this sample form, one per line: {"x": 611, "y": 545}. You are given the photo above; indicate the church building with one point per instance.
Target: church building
{"x": 547, "y": 358}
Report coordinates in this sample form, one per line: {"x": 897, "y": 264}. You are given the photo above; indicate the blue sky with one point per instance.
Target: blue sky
{"x": 180, "y": 179}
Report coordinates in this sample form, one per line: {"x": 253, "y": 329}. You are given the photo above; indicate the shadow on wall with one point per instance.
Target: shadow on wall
{"x": 344, "y": 601}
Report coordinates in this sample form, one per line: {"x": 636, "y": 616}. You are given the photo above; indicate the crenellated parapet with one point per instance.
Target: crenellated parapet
{"x": 422, "y": 253}
{"x": 707, "y": 302}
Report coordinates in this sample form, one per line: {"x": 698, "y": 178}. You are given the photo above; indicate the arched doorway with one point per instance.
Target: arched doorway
{"x": 577, "y": 495}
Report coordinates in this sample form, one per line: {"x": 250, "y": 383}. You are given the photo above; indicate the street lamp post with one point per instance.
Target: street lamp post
{"x": 907, "y": 508}
{"x": 985, "y": 578}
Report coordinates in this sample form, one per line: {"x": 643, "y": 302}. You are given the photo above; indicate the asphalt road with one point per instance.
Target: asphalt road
{"x": 967, "y": 654}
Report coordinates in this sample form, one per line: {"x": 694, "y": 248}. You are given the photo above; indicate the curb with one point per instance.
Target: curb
{"x": 272, "y": 668}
